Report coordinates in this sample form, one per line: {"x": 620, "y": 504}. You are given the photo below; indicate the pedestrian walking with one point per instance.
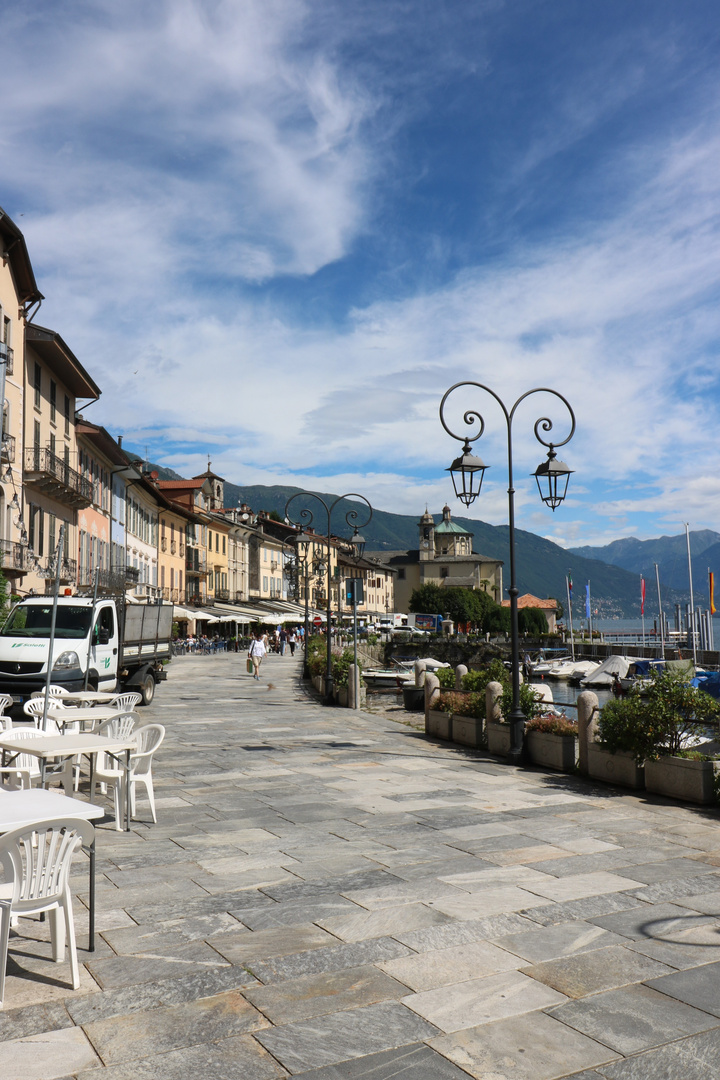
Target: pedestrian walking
{"x": 256, "y": 653}
{"x": 292, "y": 640}
{"x": 283, "y": 640}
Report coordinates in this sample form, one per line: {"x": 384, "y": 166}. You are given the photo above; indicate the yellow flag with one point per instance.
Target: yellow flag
{"x": 712, "y": 592}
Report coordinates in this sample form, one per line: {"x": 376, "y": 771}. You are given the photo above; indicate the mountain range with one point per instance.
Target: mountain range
{"x": 541, "y": 566}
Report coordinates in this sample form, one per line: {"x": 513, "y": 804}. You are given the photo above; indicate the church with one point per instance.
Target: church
{"x": 444, "y": 557}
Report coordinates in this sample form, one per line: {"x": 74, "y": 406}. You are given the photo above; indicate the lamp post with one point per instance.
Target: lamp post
{"x": 552, "y": 478}
{"x": 306, "y": 519}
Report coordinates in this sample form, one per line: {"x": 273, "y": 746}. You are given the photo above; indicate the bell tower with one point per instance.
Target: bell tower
{"x": 426, "y": 536}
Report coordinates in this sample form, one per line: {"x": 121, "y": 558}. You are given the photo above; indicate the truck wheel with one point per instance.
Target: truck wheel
{"x": 147, "y": 689}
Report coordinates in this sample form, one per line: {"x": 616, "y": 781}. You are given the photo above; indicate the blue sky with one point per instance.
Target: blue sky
{"x": 277, "y": 231}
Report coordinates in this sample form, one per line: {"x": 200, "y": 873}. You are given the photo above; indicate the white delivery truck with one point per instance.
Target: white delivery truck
{"x": 121, "y": 645}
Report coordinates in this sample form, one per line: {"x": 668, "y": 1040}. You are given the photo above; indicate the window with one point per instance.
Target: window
{"x": 265, "y": 584}
{"x": 217, "y": 541}
{"x": 52, "y": 539}
{"x": 401, "y": 573}
{"x": 53, "y": 400}
{"x": 443, "y": 571}
{"x": 36, "y": 439}
{"x": 67, "y": 415}
{"x": 52, "y": 444}
{"x": 223, "y": 545}
{"x": 37, "y": 384}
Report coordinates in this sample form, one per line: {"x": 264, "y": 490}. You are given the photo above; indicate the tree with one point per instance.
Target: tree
{"x": 532, "y": 621}
{"x": 428, "y": 599}
{"x": 559, "y": 608}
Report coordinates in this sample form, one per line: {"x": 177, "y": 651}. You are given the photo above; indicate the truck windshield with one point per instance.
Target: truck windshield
{"x": 33, "y": 621}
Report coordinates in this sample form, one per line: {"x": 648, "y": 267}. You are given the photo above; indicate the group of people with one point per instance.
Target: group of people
{"x": 278, "y": 642}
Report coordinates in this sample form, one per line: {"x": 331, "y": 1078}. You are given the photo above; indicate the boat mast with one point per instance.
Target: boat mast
{"x": 569, "y": 600}
{"x": 660, "y": 610}
{"x": 692, "y": 602}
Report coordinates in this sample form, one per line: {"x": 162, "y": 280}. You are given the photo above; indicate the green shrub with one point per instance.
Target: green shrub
{"x": 529, "y": 702}
{"x": 446, "y": 677}
{"x": 341, "y": 662}
{"x": 461, "y": 704}
{"x": 494, "y": 672}
{"x": 664, "y": 721}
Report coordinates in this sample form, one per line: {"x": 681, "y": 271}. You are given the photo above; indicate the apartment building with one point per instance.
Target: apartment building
{"x": 19, "y": 300}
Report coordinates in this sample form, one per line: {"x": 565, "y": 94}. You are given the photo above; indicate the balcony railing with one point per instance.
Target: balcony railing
{"x": 15, "y": 559}
{"x": 8, "y": 448}
{"x": 112, "y": 580}
{"x": 147, "y": 591}
{"x": 172, "y": 595}
{"x": 195, "y": 561}
{"x": 68, "y": 570}
{"x": 173, "y": 547}
{"x": 132, "y": 575}
{"x": 7, "y": 354}
{"x": 163, "y": 543}
{"x": 49, "y": 473}
{"x": 195, "y": 599}
{"x": 182, "y": 550}
{"x": 222, "y": 594}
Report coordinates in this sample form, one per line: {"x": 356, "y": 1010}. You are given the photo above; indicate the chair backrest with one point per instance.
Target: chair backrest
{"x": 5, "y": 702}
{"x": 37, "y": 857}
{"x": 35, "y": 717}
{"x": 125, "y": 702}
{"x": 149, "y": 738}
{"x": 119, "y": 727}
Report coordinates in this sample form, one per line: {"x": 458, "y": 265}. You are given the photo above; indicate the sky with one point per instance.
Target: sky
{"x": 277, "y": 231}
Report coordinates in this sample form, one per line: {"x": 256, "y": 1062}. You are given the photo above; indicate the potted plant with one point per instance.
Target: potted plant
{"x": 467, "y": 719}
{"x": 499, "y": 735}
{"x": 552, "y": 741}
{"x": 440, "y": 719}
{"x": 658, "y": 732}
{"x": 623, "y": 742}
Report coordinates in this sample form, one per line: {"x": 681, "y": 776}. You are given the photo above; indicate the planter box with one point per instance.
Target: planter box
{"x": 414, "y": 698}
{"x": 499, "y": 739}
{"x": 691, "y": 781}
{"x": 342, "y": 696}
{"x": 319, "y": 683}
{"x": 467, "y": 730}
{"x": 439, "y": 725}
{"x": 553, "y": 751}
{"x": 617, "y": 768}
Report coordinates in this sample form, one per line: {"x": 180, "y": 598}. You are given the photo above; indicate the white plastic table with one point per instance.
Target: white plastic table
{"x": 82, "y": 716}
{"x": 44, "y": 747}
{"x": 19, "y": 808}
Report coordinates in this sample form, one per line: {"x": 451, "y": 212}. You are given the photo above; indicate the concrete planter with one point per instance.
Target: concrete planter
{"x": 414, "y": 698}
{"x": 467, "y": 730}
{"x": 439, "y": 725}
{"x": 342, "y": 696}
{"x": 679, "y": 778}
{"x": 319, "y": 683}
{"x": 617, "y": 768}
{"x": 499, "y": 739}
{"x": 553, "y": 751}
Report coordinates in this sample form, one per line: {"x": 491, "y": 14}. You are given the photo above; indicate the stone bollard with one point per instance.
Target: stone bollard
{"x": 354, "y": 687}
{"x": 432, "y": 693}
{"x": 460, "y": 670}
{"x": 420, "y": 669}
{"x": 493, "y": 691}
{"x": 587, "y": 704}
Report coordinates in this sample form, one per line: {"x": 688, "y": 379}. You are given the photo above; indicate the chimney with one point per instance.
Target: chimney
{"x": 119, "y": 441}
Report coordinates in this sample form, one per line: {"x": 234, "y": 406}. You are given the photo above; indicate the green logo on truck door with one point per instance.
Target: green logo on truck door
{"x": 107, "y": 661}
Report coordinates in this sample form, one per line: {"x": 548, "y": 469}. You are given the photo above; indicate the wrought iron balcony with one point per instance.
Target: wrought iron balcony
{"x": 222, "y": 594}
{"x": 173, "y": 595}
{"x": 68, "y": 570}
{"x": 112, "y": 580}
{"x": 173, "y": 547}
{"x": 8, "y": 448}
{"x": 195, "y": 599}
{"x": 15, "y": 558}
{"x": 50, "y": 474}
{"x": 132, "y": 575}
{"x": 7, "y": 354}
{"x": 163, "y": 543}
{"x": 195, "y": 561}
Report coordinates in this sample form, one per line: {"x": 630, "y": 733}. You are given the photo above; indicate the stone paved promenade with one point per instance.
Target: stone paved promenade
{"x": 328, "y": 895}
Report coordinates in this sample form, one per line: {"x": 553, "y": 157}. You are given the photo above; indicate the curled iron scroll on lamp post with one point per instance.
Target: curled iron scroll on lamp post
{"x": 552, "y": 477}
{"x": 305, "y": 517}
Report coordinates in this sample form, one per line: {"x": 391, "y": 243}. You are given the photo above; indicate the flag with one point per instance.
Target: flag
{"x": 587, "y": 600}
{"x": 712, "y": 592}
{"x": 569, "y": 581}
{"x": 642, "y": 595}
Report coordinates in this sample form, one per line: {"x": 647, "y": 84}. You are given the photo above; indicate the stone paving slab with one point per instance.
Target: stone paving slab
{"x": 328, "y": 894}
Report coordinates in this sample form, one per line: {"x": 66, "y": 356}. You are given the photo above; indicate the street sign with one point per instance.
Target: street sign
{"x": 317, "y": 621}
{"x": 354, "y": 591}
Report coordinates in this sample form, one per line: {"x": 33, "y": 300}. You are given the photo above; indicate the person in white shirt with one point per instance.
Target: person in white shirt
{"x": 256, "y": 653}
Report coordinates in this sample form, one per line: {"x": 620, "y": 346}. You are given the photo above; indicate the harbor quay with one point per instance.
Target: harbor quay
{"x": 330, "y": 895}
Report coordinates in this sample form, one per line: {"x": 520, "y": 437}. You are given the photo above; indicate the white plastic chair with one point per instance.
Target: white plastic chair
{"x": 148, "y": 739}
{"x": 125, "y": 703}
{"x": 53, "y": 691}
{"x": 5, "y": 702}
{"x": 36, "y": 860}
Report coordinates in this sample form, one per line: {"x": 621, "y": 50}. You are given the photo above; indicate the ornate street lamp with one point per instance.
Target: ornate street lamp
{"x": 306, "y": 519}
{"x": 552, "y": 477}
{"x": 303, "y": 542}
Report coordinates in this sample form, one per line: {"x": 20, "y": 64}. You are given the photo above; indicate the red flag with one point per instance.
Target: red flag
{"x": 642, "y": 595}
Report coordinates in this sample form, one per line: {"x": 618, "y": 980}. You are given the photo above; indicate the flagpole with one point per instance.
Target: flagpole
{"x": 642, "y": 607}
{"x": 569, "y": 600}
{"x": 588, "y": 612}
{"x": 692, "y": 602}
{"x": 711, "y": 589}
{"x": 662, "y": 621}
